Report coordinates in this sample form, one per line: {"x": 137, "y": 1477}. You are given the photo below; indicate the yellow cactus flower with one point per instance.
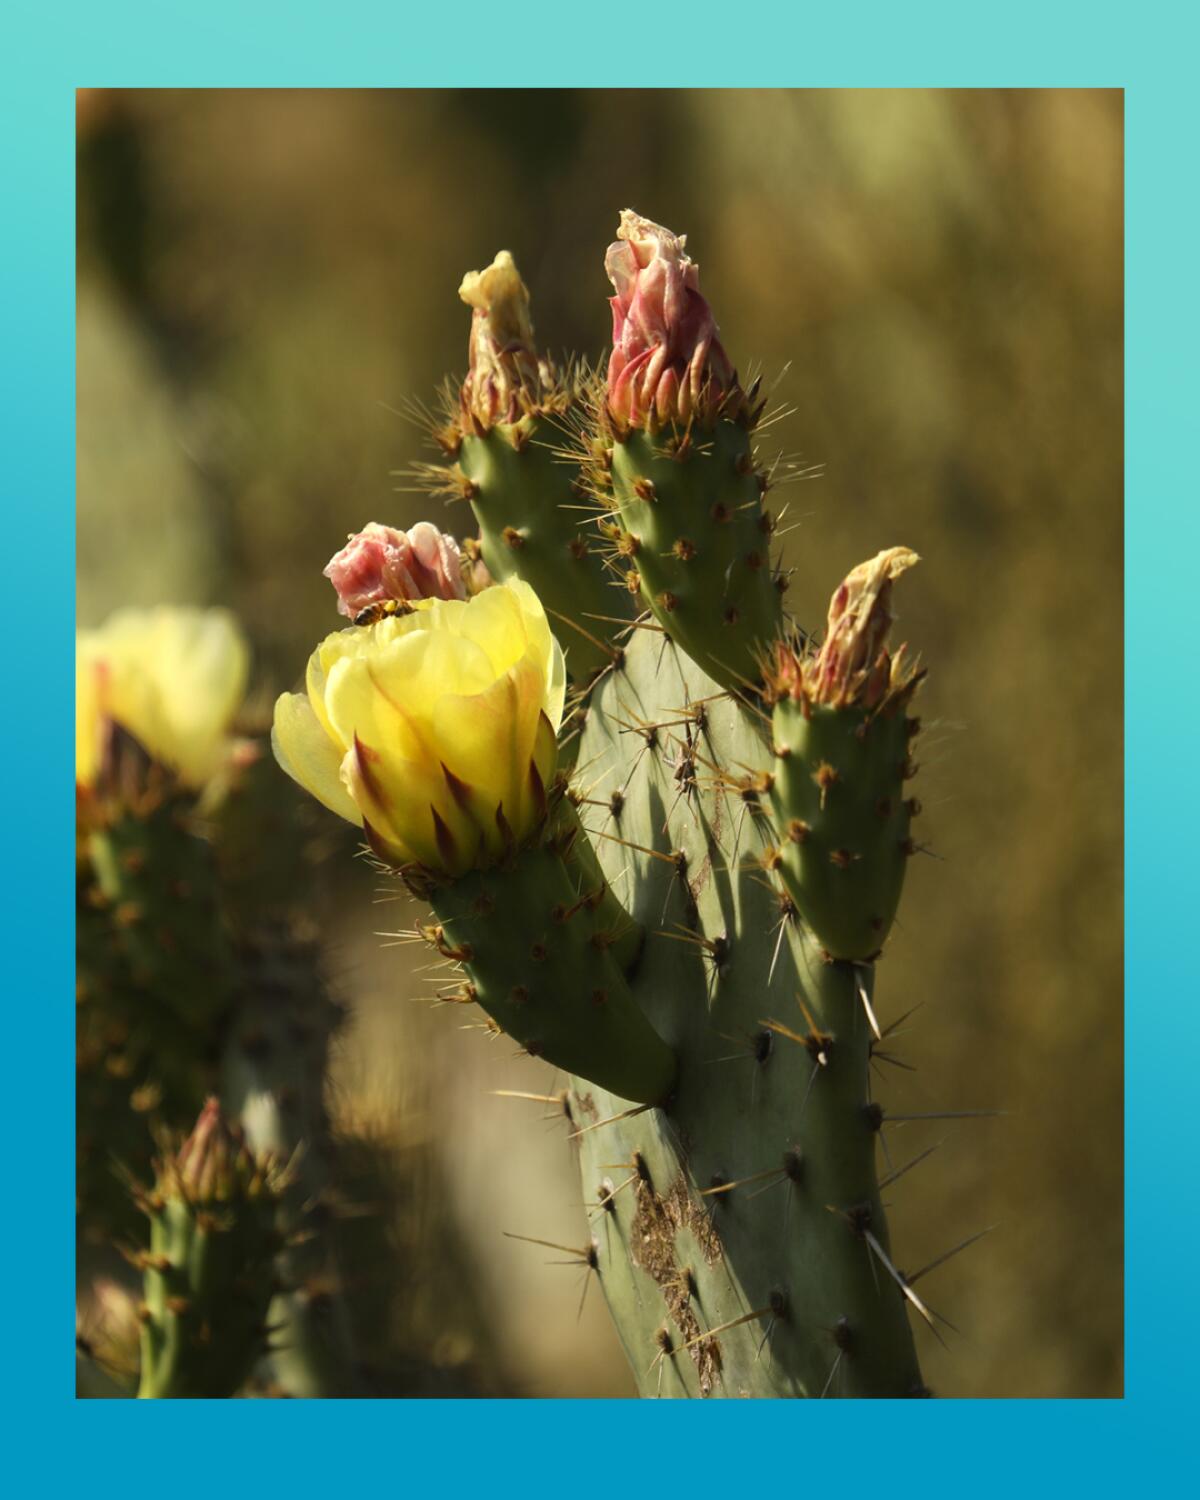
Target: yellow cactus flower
{"x": 172, "y": 677}
{"x": 434, "y": 731}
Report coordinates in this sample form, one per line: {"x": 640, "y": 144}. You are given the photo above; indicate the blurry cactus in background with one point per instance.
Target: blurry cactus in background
{"x": 210, "y": 1269}
{"x": 156, "y": 694}
{"x": 171, "y": 678}
{"x": 192, "y": 977}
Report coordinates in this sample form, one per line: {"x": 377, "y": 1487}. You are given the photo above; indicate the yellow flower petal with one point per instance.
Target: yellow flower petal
{"x": 309, "y": 756}
{"x": 173, "y": 678}
{"x": 88, "y": 722}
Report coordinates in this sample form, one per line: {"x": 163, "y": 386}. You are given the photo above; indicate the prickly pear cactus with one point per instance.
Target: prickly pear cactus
{"x": 684, "y": 909}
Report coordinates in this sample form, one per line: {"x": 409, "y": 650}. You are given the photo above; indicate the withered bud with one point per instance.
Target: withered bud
{"x": 854, "y": 664}
{"x": 504, "y": 372}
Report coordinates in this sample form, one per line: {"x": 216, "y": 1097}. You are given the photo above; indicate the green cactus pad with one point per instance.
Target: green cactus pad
{"x": 780, "y": 1120}
{"x": 697, "y": 535}
{"x": 541, "y": 964}
{"x": 842, "y": 821}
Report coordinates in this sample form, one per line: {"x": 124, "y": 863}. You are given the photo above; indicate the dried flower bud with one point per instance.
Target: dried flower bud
{"x": 667, "y": 359}
{"x": 380, "y": 563}
{"x": 853, "y": 665}
{"x": 503, "y": 363}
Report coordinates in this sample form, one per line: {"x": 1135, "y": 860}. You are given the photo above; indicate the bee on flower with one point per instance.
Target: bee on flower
{"x": 435, "y": 731}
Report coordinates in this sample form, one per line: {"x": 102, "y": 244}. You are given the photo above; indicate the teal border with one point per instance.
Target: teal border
{"x": 976, "y": 1448}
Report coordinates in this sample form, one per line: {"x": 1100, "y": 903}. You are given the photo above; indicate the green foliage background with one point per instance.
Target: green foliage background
{"x": 265, "y": 279}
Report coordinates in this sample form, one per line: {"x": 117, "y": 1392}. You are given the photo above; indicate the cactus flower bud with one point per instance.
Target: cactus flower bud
{"x": 435, "y": 731}
{"x": 853, "y": 666}
{"x": 503, "y": 363}
{"x": 206, "y": 1165}
{"x": 380, "y": 563}
{"x": 667, "y": 361}
{"x": 173, "y": 678}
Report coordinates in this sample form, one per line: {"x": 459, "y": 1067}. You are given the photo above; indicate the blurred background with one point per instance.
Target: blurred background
{"x": 933, "y": 281}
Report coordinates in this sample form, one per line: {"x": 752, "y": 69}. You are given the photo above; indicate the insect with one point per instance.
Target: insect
{"x": 371, "y": 614}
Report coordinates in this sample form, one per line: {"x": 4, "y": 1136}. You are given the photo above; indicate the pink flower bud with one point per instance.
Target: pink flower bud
{"x": 203, "y": 1163}
{"x": 380, "y": 563}
{"x": 213, "y": 1165}
{"x": 504, "y": 365}
{"x": 667, "y": 359}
